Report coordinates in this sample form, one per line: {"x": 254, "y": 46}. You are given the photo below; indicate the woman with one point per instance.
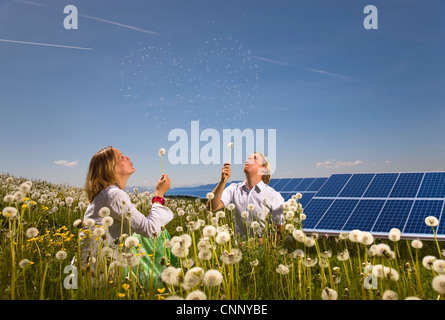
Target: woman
{"x": 102, "y": 237}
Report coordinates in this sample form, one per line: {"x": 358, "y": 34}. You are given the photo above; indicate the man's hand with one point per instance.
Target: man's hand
{"x": 225, "y": 172}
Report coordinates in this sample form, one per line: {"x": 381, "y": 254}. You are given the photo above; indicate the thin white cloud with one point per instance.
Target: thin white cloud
{"x": 119, "y": 24}
{"x": 307, "y": 69}
{"x": 328, "y": 73}
{"x": 273, "y": 61}
{"x": 335, "y": 164}
{"x": 93, "y": 18}
{"x": 66, "y": 163}
{"x": 44, "y": 44}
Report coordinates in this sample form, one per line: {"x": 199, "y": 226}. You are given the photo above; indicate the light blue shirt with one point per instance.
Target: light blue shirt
{"x": 265, "y": 199}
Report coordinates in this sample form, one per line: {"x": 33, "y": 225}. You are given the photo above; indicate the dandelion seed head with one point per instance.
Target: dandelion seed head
{"x": 107, "y": 221}
{"x": 161, "y": 152}
{"x": 32, "y": 233}
{"x": 431, "y": 221}
{"x": 210, "y": 195}
{"x": 89, "y": 223}
{"x": 329, "y": 294}
{"x": 428, "y": 261}
{"x": 439, "y": 284}
{"x": 196, "y": 295}
{"x": 439, "y": 266}
{"x": 390, "y": 295}
{"x": 104, "y": 212}
{"x": 61, "y": 255}
{"x": 131, "y": 242}
{"x": 222, "y": 237}
{"x": 209, "y": 231}
{"x": 212, "y": 278}
{"x": 417, "y": 244}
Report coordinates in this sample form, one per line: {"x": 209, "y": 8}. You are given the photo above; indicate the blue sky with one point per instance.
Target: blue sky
{"x": 341, "y": 98}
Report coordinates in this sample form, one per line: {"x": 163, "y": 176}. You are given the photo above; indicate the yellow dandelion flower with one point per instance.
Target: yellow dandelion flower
{"x": 24, "y": 206}
{"x": 161, "y": 290}
{"x": 125, "y": 286}
{"x": 121, "y": 295}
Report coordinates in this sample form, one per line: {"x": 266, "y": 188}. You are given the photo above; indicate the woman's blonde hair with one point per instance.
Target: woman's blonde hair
{"x": 266, "y": 175}
{"x": 101, "y": 173}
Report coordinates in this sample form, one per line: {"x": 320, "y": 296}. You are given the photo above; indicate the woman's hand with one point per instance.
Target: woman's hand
{"x": 162, "y": 186}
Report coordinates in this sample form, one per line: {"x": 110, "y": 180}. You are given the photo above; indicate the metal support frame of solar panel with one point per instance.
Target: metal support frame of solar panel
{"x": 377, "y": 202}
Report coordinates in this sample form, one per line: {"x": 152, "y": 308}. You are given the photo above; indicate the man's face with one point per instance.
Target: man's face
{"x": 254, "y": 164}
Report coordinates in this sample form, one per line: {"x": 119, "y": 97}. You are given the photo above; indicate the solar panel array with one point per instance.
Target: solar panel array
{"x": 374, "y": 202}
{"x": 378, "y": 202}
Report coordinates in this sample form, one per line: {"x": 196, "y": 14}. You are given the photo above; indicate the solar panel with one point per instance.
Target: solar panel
{"x": 293, "y": 183}
{"x": 422, "y": 209}
{"x": 393, "y": 215}
{"x": 433, "y": 185}
{"x": 337, "y": 214}
{"x": 304, "y": 185}
{"x": 407, "y": 185}
{"x": 316, "y": 184}
{"x": 357, "y": 185}
{"x": 364, "y": 215}
{"x": 381, "y": 185}
{"x": 379, "y": 202}
{"x": 334, "y": 185}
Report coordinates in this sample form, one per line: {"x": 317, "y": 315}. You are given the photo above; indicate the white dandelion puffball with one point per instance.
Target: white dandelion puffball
{"x": 417, "y": 244}
{"x": 255, "y": 225}
{"x": 329, "y": 294}
{"x": 196, "y": 295}
{"x": 210, "y": 195}
{"x": 24, "y": 263}
{"x": 32, "y": 233}
{"x": 222, "y": 237}
{"x": 439, "y": 266}
{"x": 10, "y": 212}
{"x": 250, "y": 207}
{"x": 209, "y": 231}
{"x": 131, "y": 242}
{"x": 104, "y": 212}
{"x": 171, "y": 275}
{"x": 61, "y": 255}
{"x": 89, "y": 223}
{"x": 99, "y": 232}
{"x": 230, "y": 145}
{"x": 244, "y": 215}
{"x": 161, "y": 152}
{"x": 439, "y": 284}
{"x": 390, "y": 295}
{"x": 107, "y": 221}
{"x": 231, "y": 207}
{"x": 282, "y": 269}
{"x": 431, "y": 221}
{"x": 212, "y": 278}
{"x": 428, "y": 261}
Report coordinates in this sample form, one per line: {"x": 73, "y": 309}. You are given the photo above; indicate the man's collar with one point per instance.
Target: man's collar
{"x": 260, "y": 186}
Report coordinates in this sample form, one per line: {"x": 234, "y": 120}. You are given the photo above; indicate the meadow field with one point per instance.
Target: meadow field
{"x": 202, "y": 258}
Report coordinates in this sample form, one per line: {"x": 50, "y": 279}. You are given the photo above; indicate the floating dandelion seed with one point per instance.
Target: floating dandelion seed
{"x": 161, "y": 154}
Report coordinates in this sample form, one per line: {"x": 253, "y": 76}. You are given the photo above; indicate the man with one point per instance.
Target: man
{"x": 253, "y": 198}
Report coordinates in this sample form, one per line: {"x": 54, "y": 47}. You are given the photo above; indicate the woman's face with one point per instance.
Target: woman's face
{"x": 124, "y": 167}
